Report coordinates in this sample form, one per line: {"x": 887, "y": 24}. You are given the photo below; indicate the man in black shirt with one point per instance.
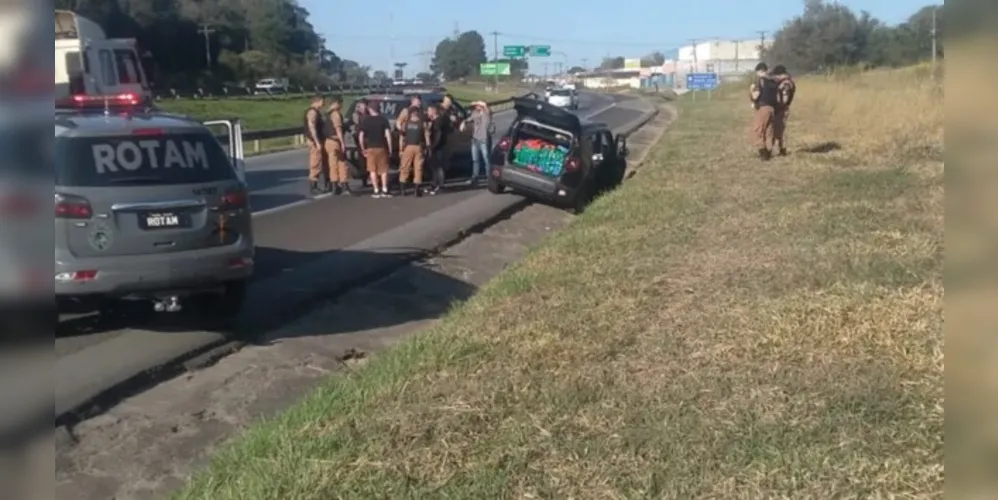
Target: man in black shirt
{"x": 376, "y": 143}
{"x": 440, "y": 129}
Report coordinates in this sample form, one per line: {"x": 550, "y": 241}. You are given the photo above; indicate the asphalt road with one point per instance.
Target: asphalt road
{"x": 296, "y": 237}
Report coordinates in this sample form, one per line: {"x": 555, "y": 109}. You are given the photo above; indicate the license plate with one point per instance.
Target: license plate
{"x": 162, "y": 220}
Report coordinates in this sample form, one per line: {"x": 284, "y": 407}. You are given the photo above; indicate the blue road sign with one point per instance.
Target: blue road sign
{"x": 701, "y": 81}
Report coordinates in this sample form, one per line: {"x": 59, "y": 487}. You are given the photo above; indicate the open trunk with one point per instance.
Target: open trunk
{"x": 540, "y": 148}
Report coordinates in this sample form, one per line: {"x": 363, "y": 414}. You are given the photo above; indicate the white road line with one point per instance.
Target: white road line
{"x": 298, "y": 203}
{"x": 306, "y": 201}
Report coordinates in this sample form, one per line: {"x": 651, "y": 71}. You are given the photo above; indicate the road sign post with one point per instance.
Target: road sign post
{"x": 540, "y": 50}
{"x": 701, "y": 81}
{"x": 513, "y": 51}
{"x": 493, "y": 69}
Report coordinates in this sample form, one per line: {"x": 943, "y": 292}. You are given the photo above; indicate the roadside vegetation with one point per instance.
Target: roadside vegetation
{"x": 718, "y": 327}
{"x": 263, "y": 113}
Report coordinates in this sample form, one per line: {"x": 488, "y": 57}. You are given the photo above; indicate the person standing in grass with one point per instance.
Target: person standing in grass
{"x": 764, "y": 96}
{"x": 785, "y": 96}
{"x": 481, "y": 123}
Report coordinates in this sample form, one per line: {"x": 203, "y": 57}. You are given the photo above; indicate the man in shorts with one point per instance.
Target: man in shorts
{"x": 376, "y": 142}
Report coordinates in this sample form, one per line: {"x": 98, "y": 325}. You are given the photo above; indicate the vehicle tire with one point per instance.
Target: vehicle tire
{"x": 494, "y": 186}
{"x": 582, "y": 199}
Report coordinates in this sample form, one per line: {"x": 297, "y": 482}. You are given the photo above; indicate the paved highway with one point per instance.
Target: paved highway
{"x": 305, "y": 247}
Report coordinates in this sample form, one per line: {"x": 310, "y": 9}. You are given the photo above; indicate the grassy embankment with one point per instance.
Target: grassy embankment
{"x": 717, "y": 328}
{"x": 260, "y": 113}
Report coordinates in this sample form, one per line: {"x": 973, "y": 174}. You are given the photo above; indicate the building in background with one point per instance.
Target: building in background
{"x": 730, "y": 59}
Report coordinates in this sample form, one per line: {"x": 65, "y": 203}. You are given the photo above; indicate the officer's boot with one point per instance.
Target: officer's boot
{"x": 764, "y": 154}
{"x": 314, "y": 187}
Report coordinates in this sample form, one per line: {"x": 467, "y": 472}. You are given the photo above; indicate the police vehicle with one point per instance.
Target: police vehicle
{"x": 148, "y": 206}
{"x": 390, "y": 105}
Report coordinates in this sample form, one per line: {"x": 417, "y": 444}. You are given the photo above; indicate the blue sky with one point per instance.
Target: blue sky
{"x": 574, "y": 29}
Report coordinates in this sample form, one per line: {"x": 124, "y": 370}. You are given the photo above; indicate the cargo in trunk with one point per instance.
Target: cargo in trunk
{"x": 540, "y": 150}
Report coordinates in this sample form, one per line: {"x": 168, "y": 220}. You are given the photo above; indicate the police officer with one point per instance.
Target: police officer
{"x": 764, "y": 95}
{"x": 336, "y": 149}
{"x": 414, "y": 136}
{"x": 415, "y": 105}
{"x": 787, "y": 89}
{"x": 440, "y": 128}
{"x": 315, "y": 135}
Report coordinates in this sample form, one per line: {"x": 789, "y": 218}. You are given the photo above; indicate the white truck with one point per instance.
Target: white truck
{"x": 271, "y": 86}
{"x": 87, "y": 62}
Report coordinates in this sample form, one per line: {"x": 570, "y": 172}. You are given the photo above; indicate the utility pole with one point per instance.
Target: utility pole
{"x": 207, "y": 31}
{"x": 585, "y": 64}
{"x": 495, "y": 57}
{"x": 762, "y": 42}
{"x": 934, "y": 37}
{"x": 696, "y": 64}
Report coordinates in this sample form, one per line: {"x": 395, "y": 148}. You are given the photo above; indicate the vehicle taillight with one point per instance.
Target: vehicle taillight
{"x": 504, "y": 143}
{"x": 146, "y": 132}
{"x": 101, "y": 101}
{"x": 72, "y": 207}
{"x": 235, "y": 200}
{"x": 86, "y": 275}
{"x": 572, "y": 164}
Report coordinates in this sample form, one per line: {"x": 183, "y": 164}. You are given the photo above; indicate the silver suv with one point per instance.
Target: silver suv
{"x": 151, "y": 206}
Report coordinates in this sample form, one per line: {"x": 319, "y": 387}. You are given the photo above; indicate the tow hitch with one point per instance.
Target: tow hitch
{"x": 167, "y": 304}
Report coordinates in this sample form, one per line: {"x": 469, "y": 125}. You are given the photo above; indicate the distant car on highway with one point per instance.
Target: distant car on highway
{"x": 271, "y": 86}
{"x": 550, "y": 154}
{"x": 148, "y": 206}
{"x": 564, "y": 98}
{"x": 390, "y": 105}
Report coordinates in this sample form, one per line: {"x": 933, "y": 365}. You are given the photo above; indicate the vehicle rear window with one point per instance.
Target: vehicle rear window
{"x": 140, "y": 160}
{"x": 561, "y": 92}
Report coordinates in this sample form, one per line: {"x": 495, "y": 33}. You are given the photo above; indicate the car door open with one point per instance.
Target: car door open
{"x": 234, "y": 137}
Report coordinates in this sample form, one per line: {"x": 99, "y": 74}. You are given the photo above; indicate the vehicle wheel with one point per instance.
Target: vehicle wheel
{"x": 494, "y": 186}
{"x": 582, "y": 199}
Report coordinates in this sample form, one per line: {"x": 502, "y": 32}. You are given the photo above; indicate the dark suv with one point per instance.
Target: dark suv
{"x": 548, "y": 153}
{"x": 390, "y": 105}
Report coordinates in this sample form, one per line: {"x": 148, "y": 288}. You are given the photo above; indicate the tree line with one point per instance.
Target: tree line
{"x": 246, "y": 40}
{"x": 828, "y": 35}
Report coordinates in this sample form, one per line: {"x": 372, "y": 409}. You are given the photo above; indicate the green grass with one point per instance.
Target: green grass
{"x": 259, "y": 114}
{"x": 716, "y": 328}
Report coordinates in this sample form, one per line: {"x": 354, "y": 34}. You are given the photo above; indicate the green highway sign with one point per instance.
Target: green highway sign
{"x": 514, "y": 50}
{"x": 540, "y": 51}
{"x": 492, "y": 69}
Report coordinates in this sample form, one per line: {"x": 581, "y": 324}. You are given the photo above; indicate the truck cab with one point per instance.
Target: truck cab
{"x": 87, "y": 62}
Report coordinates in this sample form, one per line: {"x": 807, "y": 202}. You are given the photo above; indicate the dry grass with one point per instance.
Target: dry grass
{"x": 717, "y": 328}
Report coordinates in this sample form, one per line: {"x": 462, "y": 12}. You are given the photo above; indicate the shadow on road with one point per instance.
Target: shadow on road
{"x": 294, "y": 284}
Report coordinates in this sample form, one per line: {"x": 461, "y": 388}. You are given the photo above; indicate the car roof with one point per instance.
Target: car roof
{"x": 70, "y": 123}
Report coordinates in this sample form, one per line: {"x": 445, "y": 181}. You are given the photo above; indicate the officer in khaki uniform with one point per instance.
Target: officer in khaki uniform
{"x": 315, "y": 135}
{"x": 415, "y": 103}
{"x": 763, "y": 94}
{"x": 414, "y": 136}
{"x": 785, "y": 96}
{"x": 336, "y": 149}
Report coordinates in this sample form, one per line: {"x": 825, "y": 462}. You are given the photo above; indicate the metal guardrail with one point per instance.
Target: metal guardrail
{"x": 254, "y": 137}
